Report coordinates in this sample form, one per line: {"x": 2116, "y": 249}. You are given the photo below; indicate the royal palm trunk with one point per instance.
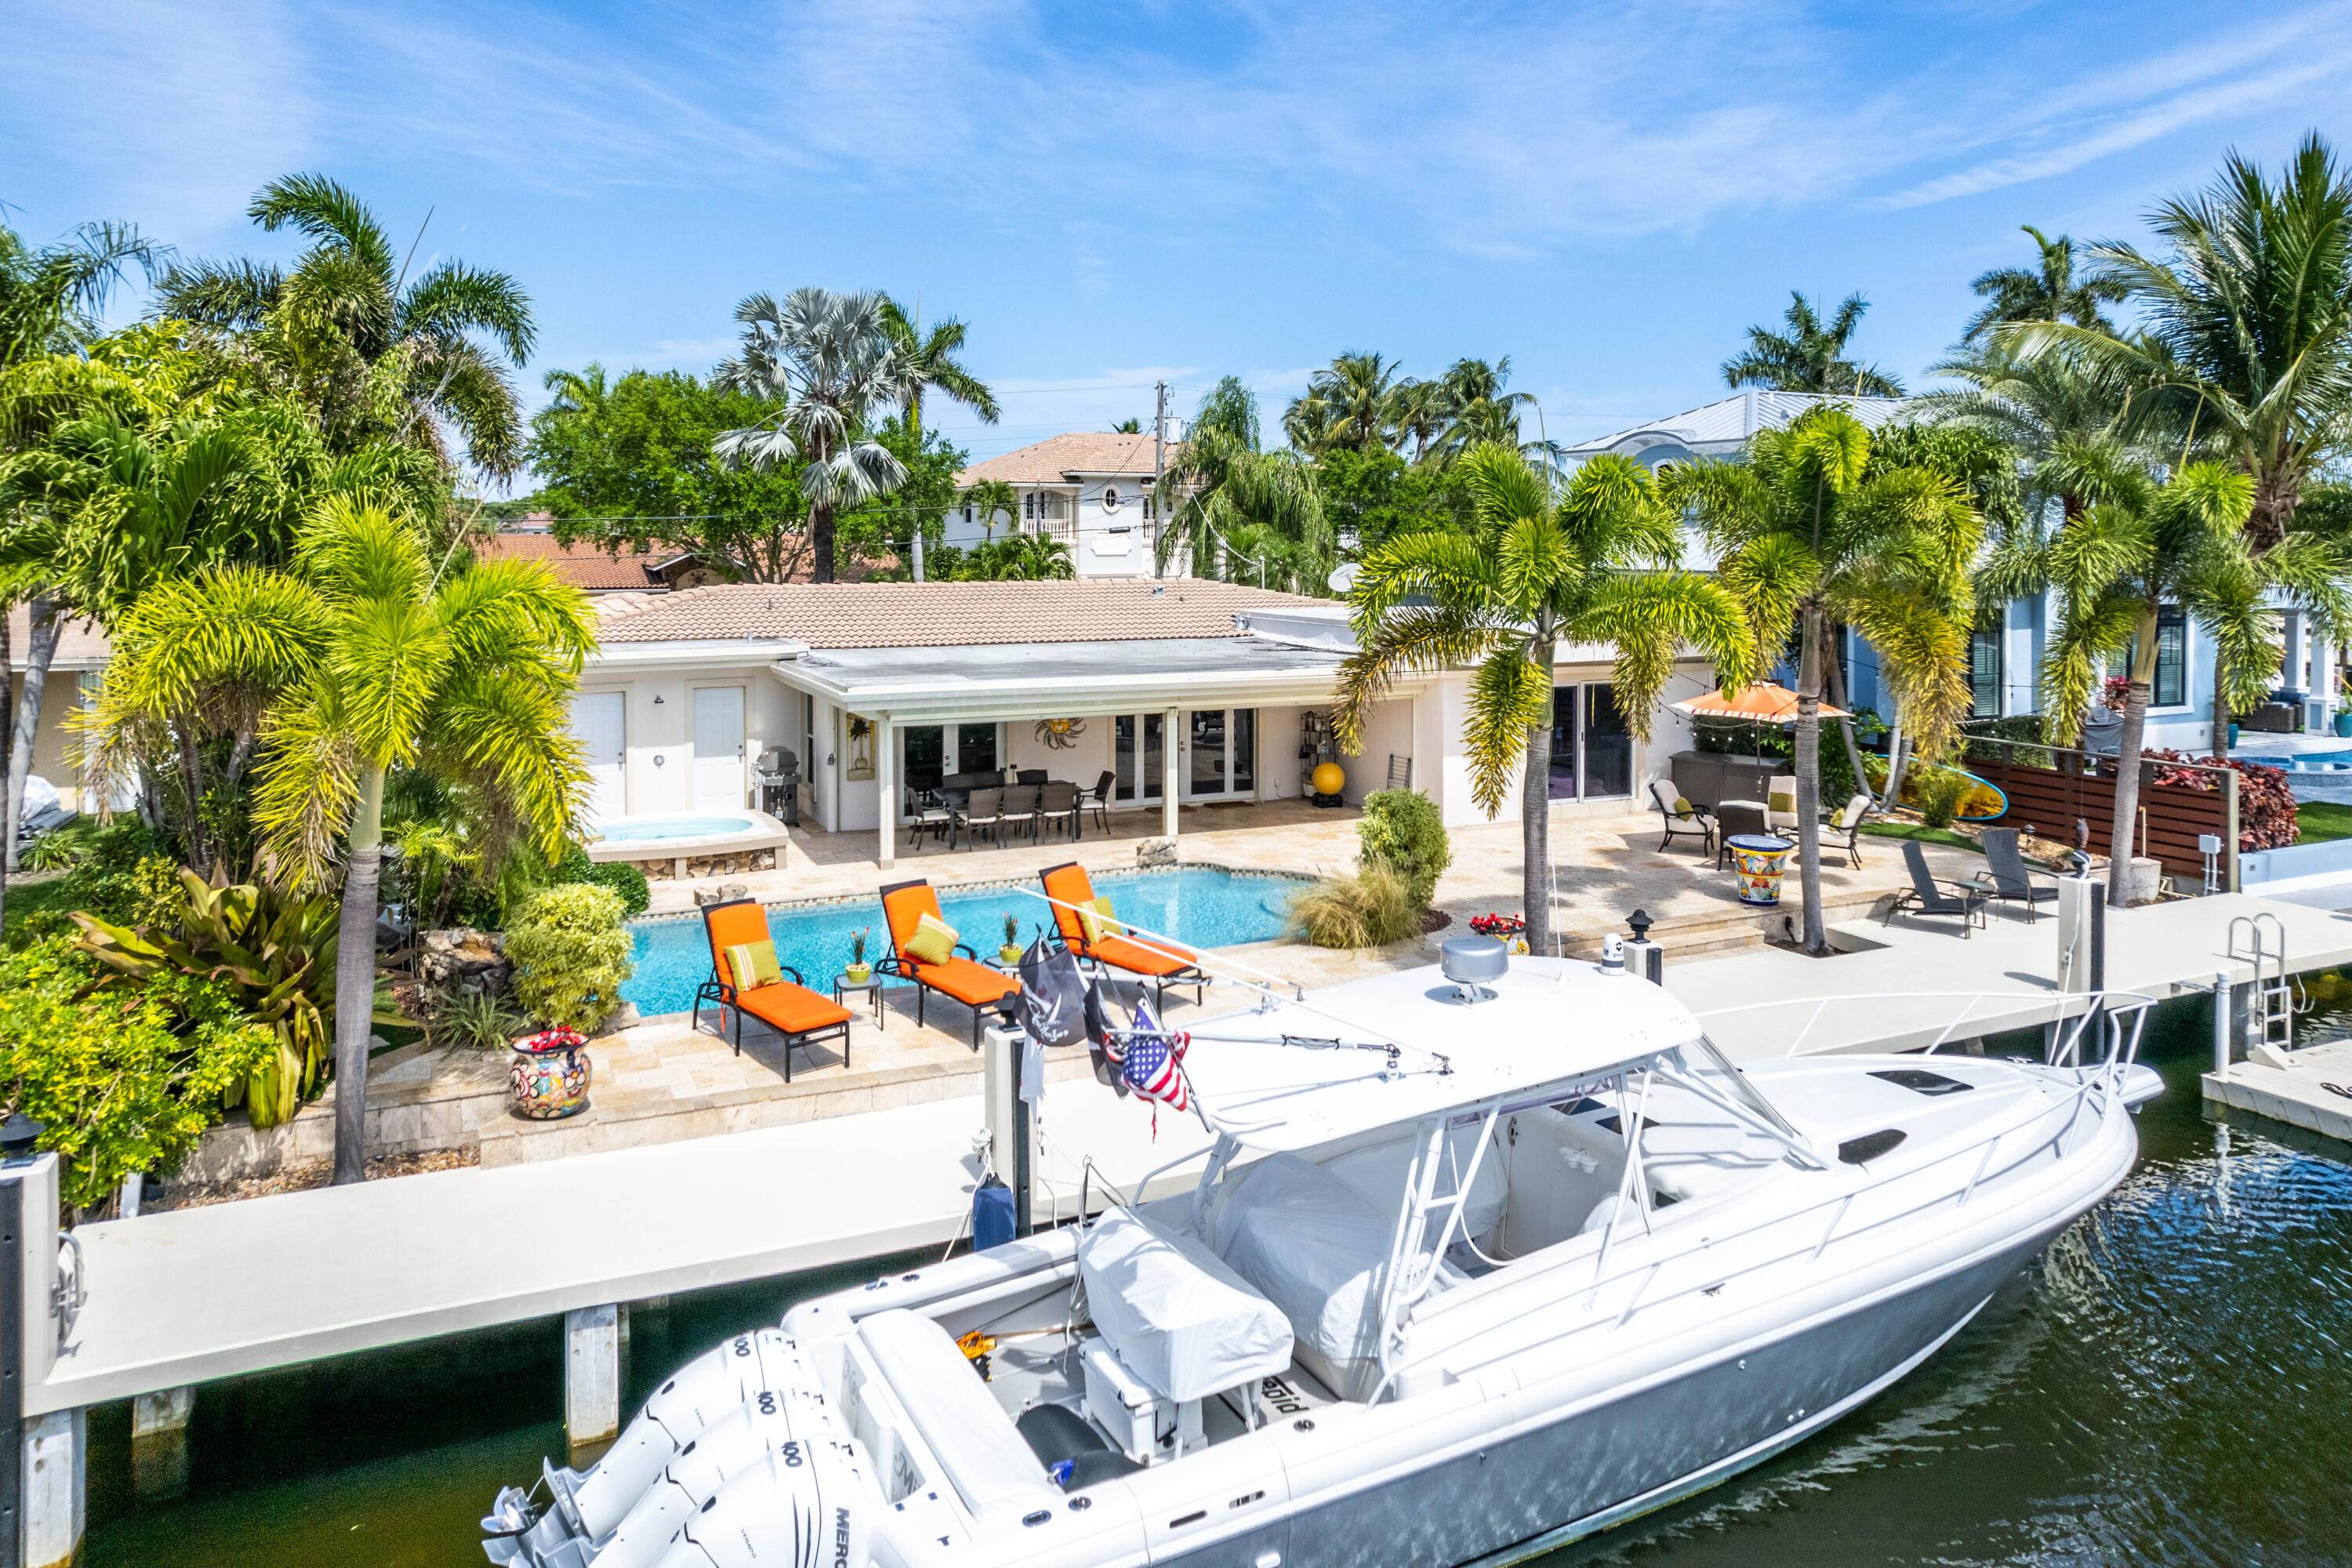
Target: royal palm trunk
{"x": 1535, "y": 838}
{"x": 2124, "y": 832}
{"x": 355, "y": 979}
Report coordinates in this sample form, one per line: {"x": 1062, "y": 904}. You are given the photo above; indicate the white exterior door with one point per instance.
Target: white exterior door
{"x": 718, "y": 778}
{"x": 599, "y": 723}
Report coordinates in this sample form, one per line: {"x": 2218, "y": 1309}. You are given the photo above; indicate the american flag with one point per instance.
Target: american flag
{"x": 1155, "y": 1060}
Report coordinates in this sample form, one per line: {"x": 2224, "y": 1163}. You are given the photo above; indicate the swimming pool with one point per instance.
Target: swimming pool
{"x": 1202, "y": 906}
{"x": 656, "y": 829}
{"x": 2302, "y": 763}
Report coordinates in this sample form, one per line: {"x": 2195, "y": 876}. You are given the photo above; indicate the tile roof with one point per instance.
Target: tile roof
{"x": 1741, "y": 415}
{"x": 944, "y": 614}
{"x": 1056, "y": 458}
{"x": 581, "y": 565}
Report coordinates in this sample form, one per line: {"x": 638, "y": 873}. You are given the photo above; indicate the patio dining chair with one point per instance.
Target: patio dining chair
{"x": 984, "y": 811}
{"x": 1683, "y": 820}
{"x": 739, "y": 940}
{"x": 1927, "y": 896}
{"x": 1058, "y": 807}
{"x": 1019, "y": 811}
{"x": 1781, "y": 805}
{"x": 961, "y": 976}
{"x": 1736, "y": 819}
{"x": 1844, "y": 829}
{"x": 1099, "y": 798}
{"x": 2009, "y": 879}
{"x": 927, "y": 813}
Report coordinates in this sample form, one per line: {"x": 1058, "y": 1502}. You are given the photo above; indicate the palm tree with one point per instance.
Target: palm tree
{"x": 1421, "y": 410}
{"x": 987, "y": 500}
{"x": 1127, "y": 428}
{"x": 1352, "y": 403}
{"x": 926, "y": 361}
{"x": 1808, "y": 534}
{"x": 2248, "y": 320}
{"x": 366, "y": 657}
{"x": 2053, "y": 290}
{"x": 1595, "y": 563}
{"x": 375, "y": 354}
{"x": 1810, "y": 356}
{"x": 2038, "y": 404}
{"x": 1035, "y": 558}
{"x": 1217, "y": 488}
{"x": 2143, "y": 542}
{"x": 827, "y": 360}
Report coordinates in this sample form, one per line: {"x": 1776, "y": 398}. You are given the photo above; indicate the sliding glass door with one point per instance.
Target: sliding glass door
{"x": 1591, "y": 748}
{"x": 1218, "y": 760}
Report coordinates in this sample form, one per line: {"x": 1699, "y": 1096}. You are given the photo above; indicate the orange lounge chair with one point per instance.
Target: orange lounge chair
{"x": 788, "y": 1007}
{"x": 1162, "y": 962}
{"x": 964, "y": 980}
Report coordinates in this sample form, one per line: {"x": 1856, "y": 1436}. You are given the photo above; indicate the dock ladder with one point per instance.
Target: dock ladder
{"x": 2261, "y": 944}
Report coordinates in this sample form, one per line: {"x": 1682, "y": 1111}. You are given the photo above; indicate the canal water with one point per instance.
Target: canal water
{"x": 2168, "y": 1385}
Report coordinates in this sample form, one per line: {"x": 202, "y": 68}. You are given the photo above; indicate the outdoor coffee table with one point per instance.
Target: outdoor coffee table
{"x": 843, "y": 984}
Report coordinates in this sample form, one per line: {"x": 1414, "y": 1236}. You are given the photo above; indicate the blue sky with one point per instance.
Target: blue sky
{"x": 1111, "y": 194}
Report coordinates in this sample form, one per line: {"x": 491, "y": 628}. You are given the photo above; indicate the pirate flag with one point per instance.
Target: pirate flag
{"x": 1053, "y": 995}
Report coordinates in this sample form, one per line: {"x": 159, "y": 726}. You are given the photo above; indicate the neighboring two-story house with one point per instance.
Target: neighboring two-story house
{"x": 1092, "y": 491}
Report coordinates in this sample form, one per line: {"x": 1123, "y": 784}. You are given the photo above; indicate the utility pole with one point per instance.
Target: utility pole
{"x": 1159, "y": 466}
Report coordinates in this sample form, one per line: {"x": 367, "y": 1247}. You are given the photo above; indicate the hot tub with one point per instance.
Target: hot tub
{"x": 662, "y": 829}
{"x": 716, "y": 843}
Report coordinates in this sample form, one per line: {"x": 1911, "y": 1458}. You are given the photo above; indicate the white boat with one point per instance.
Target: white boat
{"x": 1468, "y": 1272}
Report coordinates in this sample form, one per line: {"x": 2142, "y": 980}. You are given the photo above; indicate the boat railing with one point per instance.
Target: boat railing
{"x": 2105, "y": 1016}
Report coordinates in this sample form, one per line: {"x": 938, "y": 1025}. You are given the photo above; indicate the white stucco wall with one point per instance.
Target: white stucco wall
{"x": 658, "y": 728}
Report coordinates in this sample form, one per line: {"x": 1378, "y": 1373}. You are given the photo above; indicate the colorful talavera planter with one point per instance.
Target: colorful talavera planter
{"x": 549, "y": 1076}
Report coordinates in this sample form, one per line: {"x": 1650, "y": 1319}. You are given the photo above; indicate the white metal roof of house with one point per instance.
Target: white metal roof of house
{"x": 1728, "y": 421}
{"x": 1549, "y": 1021}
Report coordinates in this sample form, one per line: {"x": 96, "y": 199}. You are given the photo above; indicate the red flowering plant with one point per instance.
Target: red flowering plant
{"x": 1497, "y": 925}
{"x": 556, "y": 1039}
{"x": 2266, "y": 817}
{"x": 2116, "y": 694}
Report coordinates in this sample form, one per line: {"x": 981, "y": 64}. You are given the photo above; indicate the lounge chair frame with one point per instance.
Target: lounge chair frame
{"x": 720, "y": 993}
{"x": 912, "y": 971}
{"x": 1072, "y": 935}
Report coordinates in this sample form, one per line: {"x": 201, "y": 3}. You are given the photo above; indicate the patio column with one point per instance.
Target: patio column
{"x": 886, "y": 784}
{"x": 2297, "y": 649}
{"x": 2322, "y": 674}
{"x": 1171, "y": 772}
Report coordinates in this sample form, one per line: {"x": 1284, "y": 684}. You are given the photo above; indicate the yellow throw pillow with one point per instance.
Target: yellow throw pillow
{"x": 934, "y": 941}
{"x": 1095, "y": 919}
{"x": 1782, "y": 802}
{"x": 753, "y": 964}
{"x": 1683, "y": 806}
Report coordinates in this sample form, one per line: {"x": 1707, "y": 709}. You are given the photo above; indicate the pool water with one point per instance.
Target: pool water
{"x": 651, "y": 829}
{"x": 2302, "y": 762}
{"x": 1199, "y": 905}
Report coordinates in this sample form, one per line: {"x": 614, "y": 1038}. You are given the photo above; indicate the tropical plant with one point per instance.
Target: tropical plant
{"x": 2248, "y": 315}
{"x": 1350, "y": 403}
{"x": 1810, "y": 534}
{"x": 990, "y": 501}
{"x": 274, "y": 952}
{"x": 1371, "y": 909}
{"x": 2266, "y": 805}
{"x": 50, "y": 295}
{"x": 470, "y": 1015}
{"x": 1941, "y": 791}
{"x": 1478, "y": 409}
{"x": 827, "y": 362}
{"x": 1811, "y": 355}
{"x": 571, "y": 957}
{"x": 2054, "y": 289}
{"x": 1219, "y": 485}
{"x": 367, "y": 656}
{"x": 378, "y": 356}
{"x": 1403, "y": 830}
{"x": 926, "y": 361}
{"x": 1127, "y": 428}
{"x": 2146, "y": 541}
{"x": 1596, "y": 562}
{"x": 123, "y": 1080}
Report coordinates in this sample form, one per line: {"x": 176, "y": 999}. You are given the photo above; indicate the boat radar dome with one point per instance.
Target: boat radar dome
{"x": 1469, "y": 959}
{"x": 1612, "y": 955}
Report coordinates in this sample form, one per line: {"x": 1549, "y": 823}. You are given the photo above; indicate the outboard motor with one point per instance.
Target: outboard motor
{"x": 773, "y": 1424}
{"x": 584, "y": 1507}
{"x": 805, "y": 1506}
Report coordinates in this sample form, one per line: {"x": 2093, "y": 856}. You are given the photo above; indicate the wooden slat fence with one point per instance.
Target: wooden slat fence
{"x": 2173, "y": 815}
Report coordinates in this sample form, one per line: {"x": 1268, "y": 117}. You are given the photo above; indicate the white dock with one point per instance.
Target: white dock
{"x": 200, "y": 1294}
{"x": 2297, "y": 1093}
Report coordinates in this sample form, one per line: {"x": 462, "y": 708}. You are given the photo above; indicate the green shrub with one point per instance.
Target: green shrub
{"x": 1401, "y": 829}
{"x": 123, "y": 1080}
{"x": 625, "y": 880}
{"x": 570, "y": 955}
{"x": 122, "y": 871}
{"x": 1371, "y": 909}
{"x": 1941, "y": 790}
{"x": 469, "y": 1016}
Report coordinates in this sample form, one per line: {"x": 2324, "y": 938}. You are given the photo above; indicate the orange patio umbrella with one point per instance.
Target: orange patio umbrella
{"x": 1762, "y": 704}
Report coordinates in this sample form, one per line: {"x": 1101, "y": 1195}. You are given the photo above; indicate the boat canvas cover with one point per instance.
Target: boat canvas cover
{"x": 1182, "y": 1322}
{"x": 1316, "y": 1247}
{"x": 1547, "y": 1021}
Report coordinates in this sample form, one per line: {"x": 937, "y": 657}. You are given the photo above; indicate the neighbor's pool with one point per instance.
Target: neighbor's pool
{"x": 1198, "y": 905}
{"x": 649, "y": 829}
{"x": 2305, "y": 762}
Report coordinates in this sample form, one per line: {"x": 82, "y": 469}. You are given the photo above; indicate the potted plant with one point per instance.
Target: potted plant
{"x": 548, "y": 1074}
{"x": 859, "y": 972}
{"x": 1010, "y": 952}
{"x": 2344, "y": 707}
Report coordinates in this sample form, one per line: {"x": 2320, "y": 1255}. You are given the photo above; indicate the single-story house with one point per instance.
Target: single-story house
{"x": 1182, "y": 692}
{"x": 589, "y": 568}
{"x": 2005, "y": 654}
{"x": 1092, "y": 490}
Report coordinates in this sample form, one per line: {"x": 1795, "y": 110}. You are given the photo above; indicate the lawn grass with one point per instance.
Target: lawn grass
{"x": 1926, "y": 834}
{"x": 2321, "y": 820}
{"x": 26, "y": 898}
